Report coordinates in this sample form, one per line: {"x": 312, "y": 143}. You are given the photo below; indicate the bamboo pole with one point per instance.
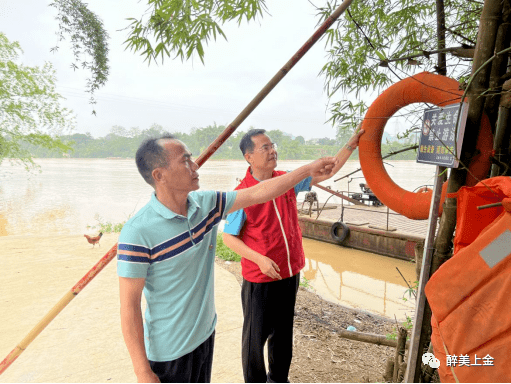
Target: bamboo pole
{"x": 369, "y": 338}
{"x": 204, "y": 156}
{"x": 498, "y": 69}
{"x": 389, "y": 369}
{"x": 399, "y": 355}
{"x": 401, "y": 373}
{"x": 66, "y": 299}
{"x": 440, "y": 36}
{"x": 421, "y": 307}
{"x": 497, "y": 107}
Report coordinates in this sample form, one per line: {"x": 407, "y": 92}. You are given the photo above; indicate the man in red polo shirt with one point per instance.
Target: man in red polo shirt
{"x": 268, "y": 238}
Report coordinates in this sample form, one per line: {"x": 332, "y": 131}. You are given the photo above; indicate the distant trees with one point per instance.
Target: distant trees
{"x": 327, "y": 141}
{"x": 121, "y": 142}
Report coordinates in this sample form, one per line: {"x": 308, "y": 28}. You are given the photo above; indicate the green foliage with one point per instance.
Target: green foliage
{"x": 115, "y": 145}
{"x": 107, "y": 226}
{"x": 182, "y": 27}
{"x": 411, "y": 292}
{"x": 407, "y": 324}
{"x": 374, "y": 44}
{"x": 88, "y": 41}
{"x": 30, "y": 111}
{"x": 224, "y": 252}
{"x": 305, "y": 283}
{"x": 388, "y": 147}
{"x": 369, "y": 47}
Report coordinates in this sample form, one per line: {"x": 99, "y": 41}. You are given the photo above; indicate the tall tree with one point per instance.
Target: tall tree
{"x": 30, "y": 110}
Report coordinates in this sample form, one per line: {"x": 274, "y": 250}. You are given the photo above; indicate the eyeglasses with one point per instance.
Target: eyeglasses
{"x": 267, "y": 147}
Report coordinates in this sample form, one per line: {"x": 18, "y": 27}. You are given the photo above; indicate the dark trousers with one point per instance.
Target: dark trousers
{"x": 194, "y": 367}
{"x": 268, "y": 311}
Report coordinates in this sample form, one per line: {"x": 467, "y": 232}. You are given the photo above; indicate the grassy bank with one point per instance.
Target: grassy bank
{"x": 224, "y": 252}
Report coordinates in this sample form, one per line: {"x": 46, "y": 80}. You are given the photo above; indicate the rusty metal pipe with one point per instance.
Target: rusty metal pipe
{"x": 205, "y": 155}
{"x": 489, "y": 206}
{"x": 356, "y": 202}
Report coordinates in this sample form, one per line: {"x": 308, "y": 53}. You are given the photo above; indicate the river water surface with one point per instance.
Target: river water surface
{"x": 68, "y": 195}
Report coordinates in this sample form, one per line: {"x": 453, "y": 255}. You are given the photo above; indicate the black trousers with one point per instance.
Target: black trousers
{"x": 268, "y": 311}
{"x": 194, "y": 367}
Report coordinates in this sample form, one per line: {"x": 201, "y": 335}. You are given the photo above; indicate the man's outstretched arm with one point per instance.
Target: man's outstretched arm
{"x": 272, "y": 188}
{"x": 342, "y": 156}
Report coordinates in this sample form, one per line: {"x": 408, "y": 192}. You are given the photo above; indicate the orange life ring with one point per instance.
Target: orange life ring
{"x": 423, "y": 87}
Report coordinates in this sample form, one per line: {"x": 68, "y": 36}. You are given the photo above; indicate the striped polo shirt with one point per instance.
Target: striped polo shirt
{"x": 175, "y": 254}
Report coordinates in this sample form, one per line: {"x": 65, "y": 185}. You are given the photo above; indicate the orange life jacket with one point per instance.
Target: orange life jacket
{"x": 470, "y": 220}
{"x": 470, "y": 294}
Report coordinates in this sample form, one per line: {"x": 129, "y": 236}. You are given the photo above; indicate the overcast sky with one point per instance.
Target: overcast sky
{"x": 180, "y": 96}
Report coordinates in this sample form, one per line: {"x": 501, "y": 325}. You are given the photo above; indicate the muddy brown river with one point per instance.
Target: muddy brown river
{"x": 68, "y": 195}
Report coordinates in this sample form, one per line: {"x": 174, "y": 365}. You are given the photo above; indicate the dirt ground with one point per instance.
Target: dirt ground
{"x": 319, "y": 354}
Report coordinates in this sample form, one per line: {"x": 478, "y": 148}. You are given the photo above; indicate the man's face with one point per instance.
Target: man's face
{"x": 181, "y": 173}
{"x": 264, "y": 155}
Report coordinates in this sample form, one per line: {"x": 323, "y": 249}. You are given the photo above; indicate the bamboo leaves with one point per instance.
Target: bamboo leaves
{"x": 370, "y": 48}
{"x": 180, "y": 28}
{"x": 88, "y": 41}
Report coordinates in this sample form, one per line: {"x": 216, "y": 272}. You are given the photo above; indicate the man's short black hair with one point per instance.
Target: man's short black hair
{"x": 246, "y": 143}
{"x": 150, "y": 155}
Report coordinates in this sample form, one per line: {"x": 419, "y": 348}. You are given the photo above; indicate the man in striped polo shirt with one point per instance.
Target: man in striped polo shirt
{"x": 166, "y": 251}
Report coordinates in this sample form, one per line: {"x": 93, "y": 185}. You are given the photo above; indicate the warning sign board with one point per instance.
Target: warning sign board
{"x": 442, "y": 135}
